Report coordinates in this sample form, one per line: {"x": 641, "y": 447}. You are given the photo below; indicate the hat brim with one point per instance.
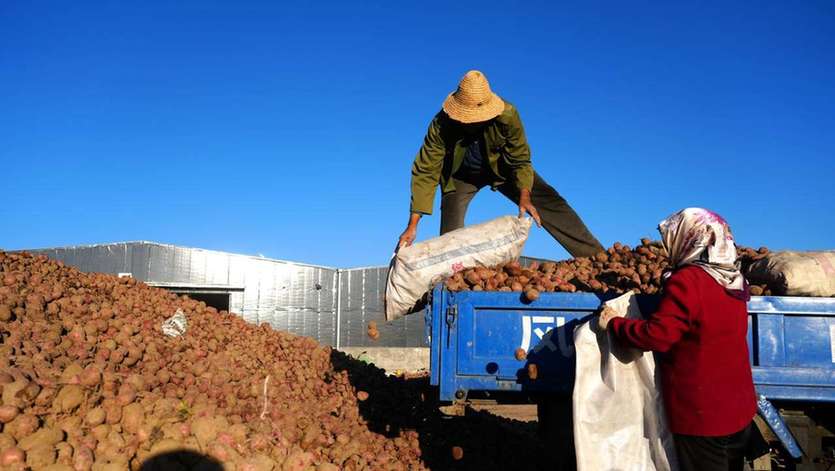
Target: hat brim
{"x": 473, "y": 114}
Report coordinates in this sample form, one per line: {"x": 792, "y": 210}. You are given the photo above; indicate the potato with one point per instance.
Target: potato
{"x": 95, "y": 417}
{"x": 68, "y": 398}
{"x": 7, "y": 441}
{"x": 58, "y": 467}
{"x": 8, "y": 413}
{"x": 12, "y": 456}
{"x": 533, "y": 371}
{"x": 531, "y": 295}
{"x": 43, "y": 437}
{"x": 21, "y": 426}
{"x": 41, "y": 456}
{"x": 133, "y": 416}
{"x": 205, "y": 430}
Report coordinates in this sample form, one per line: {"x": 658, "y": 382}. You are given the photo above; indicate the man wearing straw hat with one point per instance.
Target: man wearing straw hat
{"x": 478, "y": 140}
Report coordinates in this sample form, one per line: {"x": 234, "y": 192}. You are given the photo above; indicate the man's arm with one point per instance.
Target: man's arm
{"x": 518, "y": 153}
{"x": 426, "y": 173}
{"x": 426, "y": 169}
{"x": 518, "y": 158}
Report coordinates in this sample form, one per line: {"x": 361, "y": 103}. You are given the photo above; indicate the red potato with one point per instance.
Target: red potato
{"x": 531, "y": 294}
{"x": 618, "y": 269}
{"x": 21, "y": 426}
{"x": 533, "y": 371}
{"x": 12, "y": 456}
{"x": 7, "y": 441}
{"x": 95, "y": 417}
{"x": 8, "y": 413}
{"x": 68, "y": 398}
{"x": 43, "y": 437}
{"x": 41, "y": 456}
{"x": 133, "y": 416}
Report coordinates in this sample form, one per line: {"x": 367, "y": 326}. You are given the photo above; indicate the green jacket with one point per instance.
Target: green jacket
{"x": 442, "y": 153}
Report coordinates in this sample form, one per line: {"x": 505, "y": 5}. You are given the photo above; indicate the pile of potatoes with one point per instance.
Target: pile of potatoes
{"x": 90, "y": 382}
{"x": 619, "y": 269}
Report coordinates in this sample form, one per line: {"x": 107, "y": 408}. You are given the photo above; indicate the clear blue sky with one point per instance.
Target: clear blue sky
{"x": 288, "y": 129}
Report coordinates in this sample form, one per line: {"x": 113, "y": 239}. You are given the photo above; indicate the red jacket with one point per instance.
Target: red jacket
{"x": 701, "y": 332}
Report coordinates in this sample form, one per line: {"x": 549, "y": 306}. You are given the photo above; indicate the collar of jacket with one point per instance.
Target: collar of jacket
{"x": 494, "y": 141}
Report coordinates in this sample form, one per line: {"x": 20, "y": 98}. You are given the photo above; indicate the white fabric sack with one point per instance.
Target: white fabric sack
{"x": 619, "y": 418}
{"x": 796, "y": 273}
{"x": 416, "y": 268}
{"x": 175, "y": 325}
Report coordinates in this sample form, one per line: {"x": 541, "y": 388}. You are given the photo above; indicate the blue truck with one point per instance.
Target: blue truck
{"x": 474, "y": 337}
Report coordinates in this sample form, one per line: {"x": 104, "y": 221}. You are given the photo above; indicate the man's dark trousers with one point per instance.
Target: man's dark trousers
{"x": 558, "y": 218}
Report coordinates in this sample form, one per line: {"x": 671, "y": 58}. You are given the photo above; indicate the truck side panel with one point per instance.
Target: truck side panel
{"x": 474, "y": 336}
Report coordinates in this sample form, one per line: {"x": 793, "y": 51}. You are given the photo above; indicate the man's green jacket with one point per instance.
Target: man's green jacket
{"x": 442, "y": 153}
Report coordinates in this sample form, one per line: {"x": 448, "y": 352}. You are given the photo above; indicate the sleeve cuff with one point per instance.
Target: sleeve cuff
{"x": 616, "y": 325}
{"x": 420, "y": 211}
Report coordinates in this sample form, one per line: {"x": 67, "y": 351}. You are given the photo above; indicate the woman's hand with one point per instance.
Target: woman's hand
{"x": 606, "y": 315}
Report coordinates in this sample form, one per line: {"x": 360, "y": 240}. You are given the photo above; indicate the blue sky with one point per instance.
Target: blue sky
{"x": 288, "y": 130}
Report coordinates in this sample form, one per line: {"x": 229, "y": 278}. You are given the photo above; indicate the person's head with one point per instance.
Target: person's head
{"x": 473, "y": 104}
{"x": 697, "y": 235}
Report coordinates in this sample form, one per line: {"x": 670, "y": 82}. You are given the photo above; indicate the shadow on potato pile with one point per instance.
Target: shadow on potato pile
{"x": 181, "y": 460}
{"x": 479, "y": 440}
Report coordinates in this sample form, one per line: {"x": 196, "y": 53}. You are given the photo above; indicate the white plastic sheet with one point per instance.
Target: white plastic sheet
{"x": 619, "y": 418}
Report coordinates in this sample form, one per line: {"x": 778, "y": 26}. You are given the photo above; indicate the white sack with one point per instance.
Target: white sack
{"x": 796, "y": 273}
{"x": 619, "y": 418}
{"x": 416, "y": 268}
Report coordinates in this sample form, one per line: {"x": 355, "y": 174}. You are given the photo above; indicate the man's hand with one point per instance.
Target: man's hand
{"x": 606, "y": 315}
{"x": 525, "y": 206}
{"x": 408, "y": 236}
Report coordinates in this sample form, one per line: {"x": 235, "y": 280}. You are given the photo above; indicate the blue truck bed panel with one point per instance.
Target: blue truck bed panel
{"x": 473, "y": 337}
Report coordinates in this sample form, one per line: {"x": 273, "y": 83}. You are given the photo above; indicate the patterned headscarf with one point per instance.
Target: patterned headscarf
{"x": 697, "y": 236}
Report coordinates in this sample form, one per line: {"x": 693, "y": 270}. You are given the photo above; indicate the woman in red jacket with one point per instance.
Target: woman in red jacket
{"x": 700, "y": 330}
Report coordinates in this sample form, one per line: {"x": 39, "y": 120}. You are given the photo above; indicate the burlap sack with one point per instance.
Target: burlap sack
{"x": 796, "y": 273}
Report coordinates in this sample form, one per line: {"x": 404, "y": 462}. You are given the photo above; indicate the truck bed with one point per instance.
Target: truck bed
{"x": 473, "y": 337}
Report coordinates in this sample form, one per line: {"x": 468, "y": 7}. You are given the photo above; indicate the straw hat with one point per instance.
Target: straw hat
{"x": 473, "y": 102}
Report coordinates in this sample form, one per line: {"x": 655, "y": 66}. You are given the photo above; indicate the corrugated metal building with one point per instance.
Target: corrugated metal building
{"x": 329, "y": 304}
